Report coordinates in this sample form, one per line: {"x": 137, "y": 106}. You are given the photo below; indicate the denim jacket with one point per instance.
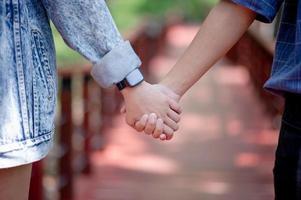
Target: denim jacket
{"x": 28, "y": 80}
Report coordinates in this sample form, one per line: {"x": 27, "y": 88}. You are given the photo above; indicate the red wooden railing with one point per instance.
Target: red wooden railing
{"x": 257, "y": 57}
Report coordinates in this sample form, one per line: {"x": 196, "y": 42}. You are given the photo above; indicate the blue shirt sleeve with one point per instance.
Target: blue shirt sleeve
{"x": 266, "y": 9}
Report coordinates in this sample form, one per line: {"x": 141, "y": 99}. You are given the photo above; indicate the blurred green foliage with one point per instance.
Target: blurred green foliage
{"x": 128, "y": 13}
{"x": 66, "y": 57}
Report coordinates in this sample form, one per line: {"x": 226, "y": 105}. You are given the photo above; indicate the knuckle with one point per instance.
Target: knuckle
{"x": 156, "y": 135}
{"x": 139, "y": 129}
{"x": 148, "y": 131}
{"x": 152, "y": 123}
{"x": 165, "y": 118}
{"x": 158, "y": 131}
{"x": 153, "y": 115}
{"x": 169, "y": 132}
{"x": 160, "y": 116}
{"x": 128, "y": 121}
{"x": 177, "y": 119}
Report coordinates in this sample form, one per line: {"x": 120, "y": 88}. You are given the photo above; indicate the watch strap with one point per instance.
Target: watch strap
{"x": 132, "y": 79}
{"x": 122, "y": 84}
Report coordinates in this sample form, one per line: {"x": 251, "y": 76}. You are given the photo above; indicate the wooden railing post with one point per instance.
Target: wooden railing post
{"x": 108, "y": 107}
{"x": 36, "y": 183}
{"x": 65, "y": 140}
{"x": 86, "y": 125}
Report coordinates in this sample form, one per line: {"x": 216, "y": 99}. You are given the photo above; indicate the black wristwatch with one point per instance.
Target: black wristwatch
{"x": 131, "y": 80}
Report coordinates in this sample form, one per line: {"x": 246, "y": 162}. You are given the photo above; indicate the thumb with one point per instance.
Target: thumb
{"x": 123, "y": 110}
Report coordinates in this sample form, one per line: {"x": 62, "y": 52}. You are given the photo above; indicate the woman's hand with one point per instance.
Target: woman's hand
{"x": 158, "y": 127}
{"x": 152, "y": 109}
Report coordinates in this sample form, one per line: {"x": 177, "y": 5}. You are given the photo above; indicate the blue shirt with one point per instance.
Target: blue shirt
{"x": 286, "y": 70}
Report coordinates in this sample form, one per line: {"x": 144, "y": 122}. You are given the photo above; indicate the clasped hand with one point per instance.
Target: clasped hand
{"x": 153, "y": 109}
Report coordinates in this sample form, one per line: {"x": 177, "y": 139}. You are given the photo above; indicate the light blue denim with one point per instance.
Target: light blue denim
{"x": 28, "y": 78}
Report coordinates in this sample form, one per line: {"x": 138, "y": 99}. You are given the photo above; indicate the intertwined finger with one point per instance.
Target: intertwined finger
{"x": 151, "y": 124}
{"x": 168, "y": 132}
{"x": 140, "y": 125}
{"x": 175, "y": 106}
{"x": 174, "y": 116}
{"x": 169, "y": 122}
{"x": 159, "y": 128}
{"x": 130, "y": 122}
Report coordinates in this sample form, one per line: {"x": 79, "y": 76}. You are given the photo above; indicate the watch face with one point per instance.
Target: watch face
{"x": 134, "y": 78}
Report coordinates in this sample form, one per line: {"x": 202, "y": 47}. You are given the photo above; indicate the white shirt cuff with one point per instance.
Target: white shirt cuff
{"x": 115, "y": 65}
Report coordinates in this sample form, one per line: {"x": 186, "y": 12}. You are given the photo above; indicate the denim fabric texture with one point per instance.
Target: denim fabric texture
{"x": 28, "y": 77}
{"x": 286, "y": 71}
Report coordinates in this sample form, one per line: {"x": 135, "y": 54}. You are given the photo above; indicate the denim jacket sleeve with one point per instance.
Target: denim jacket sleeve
{"x": 88, "y": 27}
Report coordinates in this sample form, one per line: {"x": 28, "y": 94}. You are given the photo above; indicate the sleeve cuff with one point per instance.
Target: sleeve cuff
{"x": 265, "y": 12}
{"x": 115, "y": 65}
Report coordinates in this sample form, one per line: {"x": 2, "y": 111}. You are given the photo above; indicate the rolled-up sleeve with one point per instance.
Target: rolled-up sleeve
{"x": 266, "y": 9}
{"x": 88, "y": 27}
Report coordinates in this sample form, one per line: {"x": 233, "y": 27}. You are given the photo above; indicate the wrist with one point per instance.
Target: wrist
{"x": 171, "y": 85}
{"x": 129, "y": 90}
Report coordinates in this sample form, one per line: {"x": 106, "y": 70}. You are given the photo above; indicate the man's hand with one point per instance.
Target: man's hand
{"x": 155, "y": 126}
{"x": 149, "y": 103}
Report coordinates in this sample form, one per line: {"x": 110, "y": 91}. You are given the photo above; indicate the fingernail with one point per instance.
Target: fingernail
{"x": 153, "y": 115}
{"x": 163, "y": 137}
{"x": 152, "y": 118}
{"x": 144, "y": 116}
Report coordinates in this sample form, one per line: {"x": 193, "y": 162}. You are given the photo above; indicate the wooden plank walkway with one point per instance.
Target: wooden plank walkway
{"x": 224, "y": 149}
